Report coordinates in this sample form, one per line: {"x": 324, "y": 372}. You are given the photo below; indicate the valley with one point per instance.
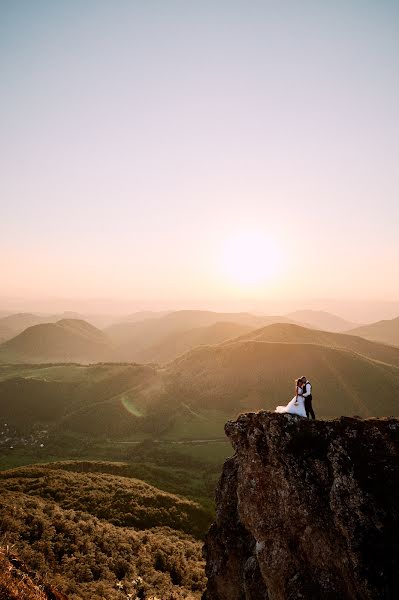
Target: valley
{"x": 134, "y": 449}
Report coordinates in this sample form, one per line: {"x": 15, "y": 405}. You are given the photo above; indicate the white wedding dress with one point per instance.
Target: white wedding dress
{"x": 296, "y": 406}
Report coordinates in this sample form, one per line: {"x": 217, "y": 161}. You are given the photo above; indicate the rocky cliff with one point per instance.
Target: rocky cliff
{"x": 306, "y": 509}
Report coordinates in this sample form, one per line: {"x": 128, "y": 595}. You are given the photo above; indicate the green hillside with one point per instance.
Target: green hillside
{"x": 128, "y": 401}
{"x": 154, "y": 417}
{"x": 386, "y": 332}
{"x": 251, "y": 375}
{"x": 66, "y": 340}
{"x": 294, "y": 334}
{"x": 103, "y": 536}
{"x": 96, "y": 399}
{"x": 133, "y": 451}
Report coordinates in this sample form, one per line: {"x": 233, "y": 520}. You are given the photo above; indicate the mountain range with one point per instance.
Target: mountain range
{"x": 202, "y": 387}
{"x": 15, "y": 323}
{"x": 319, "y": 319}
{"x": 141, "y": 337}
{"x": 386, "y": 331}
{"x": 66, "y": 340}
{"x": 72, "y": 392}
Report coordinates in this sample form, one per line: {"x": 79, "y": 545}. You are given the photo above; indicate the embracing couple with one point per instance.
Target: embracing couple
{"x": 301, "y": 404}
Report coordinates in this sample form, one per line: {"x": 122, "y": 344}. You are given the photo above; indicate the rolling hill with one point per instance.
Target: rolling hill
{"x": 66, "y": 340}
{"x": 158, "y": 339}
{"x": 13, "y": 324}
{"x": 101, "y": 411}
{"x": 320, "y": 320}
{"x": 165, "y": 424}
{"x": 251, "y": 375}
{"x": 133, "y": 339}
{"x": 175, "y": 344}
{"x": 294, "y": 334}
{"x": 203, "y": 387}
{"x": 95, "y": 400}
{"x": 142, "y": 315}
{"x": 386, "y": 332}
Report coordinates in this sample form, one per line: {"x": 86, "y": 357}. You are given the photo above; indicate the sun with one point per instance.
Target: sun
{"x": 249, "y": 260}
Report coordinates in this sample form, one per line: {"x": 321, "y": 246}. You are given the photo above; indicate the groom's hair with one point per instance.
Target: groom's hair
{"x": 304, "y": 378}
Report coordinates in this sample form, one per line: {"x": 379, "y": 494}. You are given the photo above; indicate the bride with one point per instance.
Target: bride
{"x": 297, "y": 404}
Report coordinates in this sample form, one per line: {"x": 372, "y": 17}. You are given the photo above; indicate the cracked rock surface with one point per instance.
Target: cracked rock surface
{"x": 306, "y": 509}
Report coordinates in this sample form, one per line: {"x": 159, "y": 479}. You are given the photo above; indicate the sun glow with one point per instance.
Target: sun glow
{"x": 250, "y": 260}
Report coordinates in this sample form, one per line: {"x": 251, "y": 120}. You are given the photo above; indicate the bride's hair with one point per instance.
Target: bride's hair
{"x": 298, "y": 382}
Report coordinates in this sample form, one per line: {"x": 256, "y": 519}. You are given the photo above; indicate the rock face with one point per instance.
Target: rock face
{"x": 306, "y": 509}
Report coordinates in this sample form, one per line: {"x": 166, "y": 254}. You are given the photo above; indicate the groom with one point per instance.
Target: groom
{"x": 307, "y": 394}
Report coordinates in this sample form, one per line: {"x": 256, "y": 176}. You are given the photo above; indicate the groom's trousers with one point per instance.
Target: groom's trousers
{"x": 308, "y": 407}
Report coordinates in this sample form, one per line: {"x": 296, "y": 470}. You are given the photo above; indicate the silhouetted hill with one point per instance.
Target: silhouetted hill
{"x": 320, "y": 320}
{"x": 386, "y": 331}
{"x": 66, "y": 340}
{"x": 294, "y": 334}
{"x": 102, "y": 536}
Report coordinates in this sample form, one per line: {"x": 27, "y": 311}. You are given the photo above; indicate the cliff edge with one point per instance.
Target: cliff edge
{"x": 306, "y": 509}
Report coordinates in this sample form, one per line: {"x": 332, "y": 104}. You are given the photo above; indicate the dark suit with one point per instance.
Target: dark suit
{"x": 308, "y": 400}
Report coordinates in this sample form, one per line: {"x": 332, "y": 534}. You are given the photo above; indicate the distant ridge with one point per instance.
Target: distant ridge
{"x": 13, "y": 324}
{"x": 386, "y": 331}
{"x": 132, "y": 339}
{"x": 142, "y": 315}
{"x": 295, "y": 334}
{"x": 180, "y": 342}
{"x": 321, "y": 320}
{"x": 66, "y": 340}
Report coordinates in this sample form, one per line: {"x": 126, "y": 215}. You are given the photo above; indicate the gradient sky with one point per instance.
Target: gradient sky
{"x": 142, "y": 142}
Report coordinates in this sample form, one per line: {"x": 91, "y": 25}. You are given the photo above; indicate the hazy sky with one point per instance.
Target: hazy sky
{"x": 145, "y": 144}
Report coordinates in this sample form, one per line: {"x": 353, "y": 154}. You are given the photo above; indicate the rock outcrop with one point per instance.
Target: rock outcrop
{"x": 306, "y": 509}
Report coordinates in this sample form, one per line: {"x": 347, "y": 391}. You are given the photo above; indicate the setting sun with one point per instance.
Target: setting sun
{"x": 250, "y": 259}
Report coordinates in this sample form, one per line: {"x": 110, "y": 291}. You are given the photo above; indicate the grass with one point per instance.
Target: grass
{"x": 189, "y": 424}
{"x": 208, "y": 452}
